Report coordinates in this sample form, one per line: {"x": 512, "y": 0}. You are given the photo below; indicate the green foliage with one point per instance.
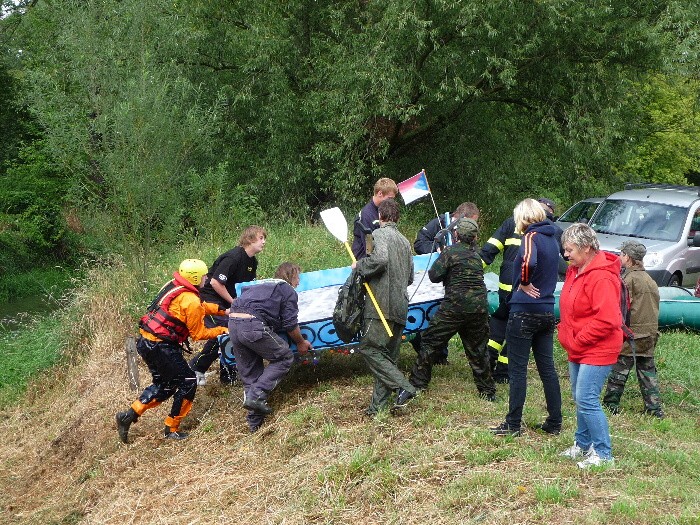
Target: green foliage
{"x": 32, "y": 224}
{"x": 219, "y": 206}
{"x": 49, "y": 283}
{"x": 180, "y": 118}
{"x": 28, "y": 352}
{"x": 670, "y": 147}
{"x": 555, "y": 492}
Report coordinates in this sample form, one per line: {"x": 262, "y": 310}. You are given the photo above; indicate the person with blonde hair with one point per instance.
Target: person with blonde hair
{"x": 238, "y": 265}
{"x": 368, "y": 219}
{"x": 531, "y": 321}
{"x": 590, "y": 330}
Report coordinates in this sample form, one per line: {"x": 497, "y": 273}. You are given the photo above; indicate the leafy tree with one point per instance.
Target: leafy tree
{"x": 173, "y": 118}
{"x": 32, "y": 227}
{"x": 670, "y": 147}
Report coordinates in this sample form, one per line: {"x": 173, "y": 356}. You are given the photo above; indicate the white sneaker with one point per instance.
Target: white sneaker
{"x": 574, "y": 452}
{"x": 594, "y": 460}
{"x": 201, "y": 378}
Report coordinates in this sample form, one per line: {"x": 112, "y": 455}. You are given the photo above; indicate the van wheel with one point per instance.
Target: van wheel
{"x": 674, "y": 280}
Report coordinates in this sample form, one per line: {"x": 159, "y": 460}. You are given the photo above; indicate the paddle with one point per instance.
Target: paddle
{"x": 335, "y": 222}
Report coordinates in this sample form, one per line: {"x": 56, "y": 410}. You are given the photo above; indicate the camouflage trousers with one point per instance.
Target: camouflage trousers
{"x": 473, "y": 329}
{"x": 646, "y": 376}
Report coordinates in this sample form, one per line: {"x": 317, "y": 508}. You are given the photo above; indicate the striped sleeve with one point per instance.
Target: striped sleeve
{"x": 529, "y": 258}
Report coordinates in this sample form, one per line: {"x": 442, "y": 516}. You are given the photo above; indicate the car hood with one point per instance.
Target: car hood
{"x": 611, "y": 242}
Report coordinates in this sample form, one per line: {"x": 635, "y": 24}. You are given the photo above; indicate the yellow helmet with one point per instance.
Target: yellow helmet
{"x": 193, "y": 270}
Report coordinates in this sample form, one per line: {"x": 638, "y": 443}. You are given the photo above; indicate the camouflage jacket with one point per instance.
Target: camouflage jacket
{"x": 388, "y": 270}
{"x": 459, "y": 267}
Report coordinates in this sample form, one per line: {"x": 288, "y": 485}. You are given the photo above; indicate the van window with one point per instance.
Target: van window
{"x": 646, "y": 220}
{"x": 695, "y": 224}
{"x": 579, "y": 212}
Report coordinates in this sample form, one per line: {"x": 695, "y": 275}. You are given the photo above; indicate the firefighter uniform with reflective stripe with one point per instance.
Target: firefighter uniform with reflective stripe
{"x": 176, "y": 314}
{"x": 507, "y": 241}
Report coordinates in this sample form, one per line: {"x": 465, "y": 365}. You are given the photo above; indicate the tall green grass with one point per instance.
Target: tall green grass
{"x": 28, "y": 352}
{"x": 49, "y": 282}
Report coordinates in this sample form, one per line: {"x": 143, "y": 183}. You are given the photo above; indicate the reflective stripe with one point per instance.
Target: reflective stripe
{"x": 503, "y": 359}
{"x": 513, "y": 241}
{"x": 505, "y": 287}
{"x": 498, "y": 244}
{"x": 495, "y": 345}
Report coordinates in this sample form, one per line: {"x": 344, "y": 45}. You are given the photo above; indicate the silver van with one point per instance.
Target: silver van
{"x": 582, "y": 211}
{"x": 665, "y": 218}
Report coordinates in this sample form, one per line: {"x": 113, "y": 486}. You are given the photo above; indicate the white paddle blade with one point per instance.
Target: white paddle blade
{"x": 334, "y": 220}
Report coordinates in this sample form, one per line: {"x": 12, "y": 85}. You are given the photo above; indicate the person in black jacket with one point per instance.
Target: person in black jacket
{"x": 507, "y": 241}
{"x": 428, "y": 241}
{"x": 368, "y": 219}
{"x": 238, "y": 265}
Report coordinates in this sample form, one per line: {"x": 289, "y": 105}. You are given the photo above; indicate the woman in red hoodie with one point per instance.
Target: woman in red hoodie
{"x": 590, "y": 332}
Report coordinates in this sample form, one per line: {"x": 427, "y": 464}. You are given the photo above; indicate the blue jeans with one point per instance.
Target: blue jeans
{"x": 536, "y": 331}
{"x": 591, "y": 424}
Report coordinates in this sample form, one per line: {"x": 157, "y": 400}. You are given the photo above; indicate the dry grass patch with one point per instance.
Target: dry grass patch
{"x": 319, "y": 459}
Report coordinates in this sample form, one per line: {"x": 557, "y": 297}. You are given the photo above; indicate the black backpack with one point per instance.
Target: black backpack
{"x": 349, "y": 308}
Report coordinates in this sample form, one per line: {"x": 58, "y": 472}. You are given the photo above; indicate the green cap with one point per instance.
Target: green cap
{"x": 635, "y": 250}
{"x": 467, "y": 229}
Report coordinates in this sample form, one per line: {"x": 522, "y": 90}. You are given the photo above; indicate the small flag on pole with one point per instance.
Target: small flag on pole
{"x": 414, "y": 188}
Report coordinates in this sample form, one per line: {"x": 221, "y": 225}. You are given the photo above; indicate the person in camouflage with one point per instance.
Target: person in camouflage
{"x": 388, "y": 270}
{"x": 429, "y": 240}
{"x": 464, "y": 310}
{"x": 644, "y": 322}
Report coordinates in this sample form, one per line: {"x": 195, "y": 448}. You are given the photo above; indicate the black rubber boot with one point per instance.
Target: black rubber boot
{"x": 124, "y": 421}
{"x": 177, "y": 435}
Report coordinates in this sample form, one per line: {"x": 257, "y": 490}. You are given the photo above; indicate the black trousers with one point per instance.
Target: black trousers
{"x": 201, "y": 361}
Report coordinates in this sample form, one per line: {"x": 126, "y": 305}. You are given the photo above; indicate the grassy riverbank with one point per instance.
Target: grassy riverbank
{"x": 40, "y": 282}
{"x": 318, "y": 459}
{"x": 31, "y": 333}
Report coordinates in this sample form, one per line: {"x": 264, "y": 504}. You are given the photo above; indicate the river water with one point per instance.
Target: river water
{"x": 14, "y": 313}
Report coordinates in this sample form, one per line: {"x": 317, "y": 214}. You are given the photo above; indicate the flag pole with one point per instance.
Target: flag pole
{"x": 437, "y": 214}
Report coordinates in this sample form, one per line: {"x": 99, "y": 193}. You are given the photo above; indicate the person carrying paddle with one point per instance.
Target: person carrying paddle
{"x": 389, "y": 271}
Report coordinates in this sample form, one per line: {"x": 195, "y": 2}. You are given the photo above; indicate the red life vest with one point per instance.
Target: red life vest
{"x": 158, "y": 321}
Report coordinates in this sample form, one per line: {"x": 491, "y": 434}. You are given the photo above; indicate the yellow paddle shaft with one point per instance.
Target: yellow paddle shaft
{"x": 371, "y": 295}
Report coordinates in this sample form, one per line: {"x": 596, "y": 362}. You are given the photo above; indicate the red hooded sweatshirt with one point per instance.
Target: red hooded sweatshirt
{"x": 590, "y": 329}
